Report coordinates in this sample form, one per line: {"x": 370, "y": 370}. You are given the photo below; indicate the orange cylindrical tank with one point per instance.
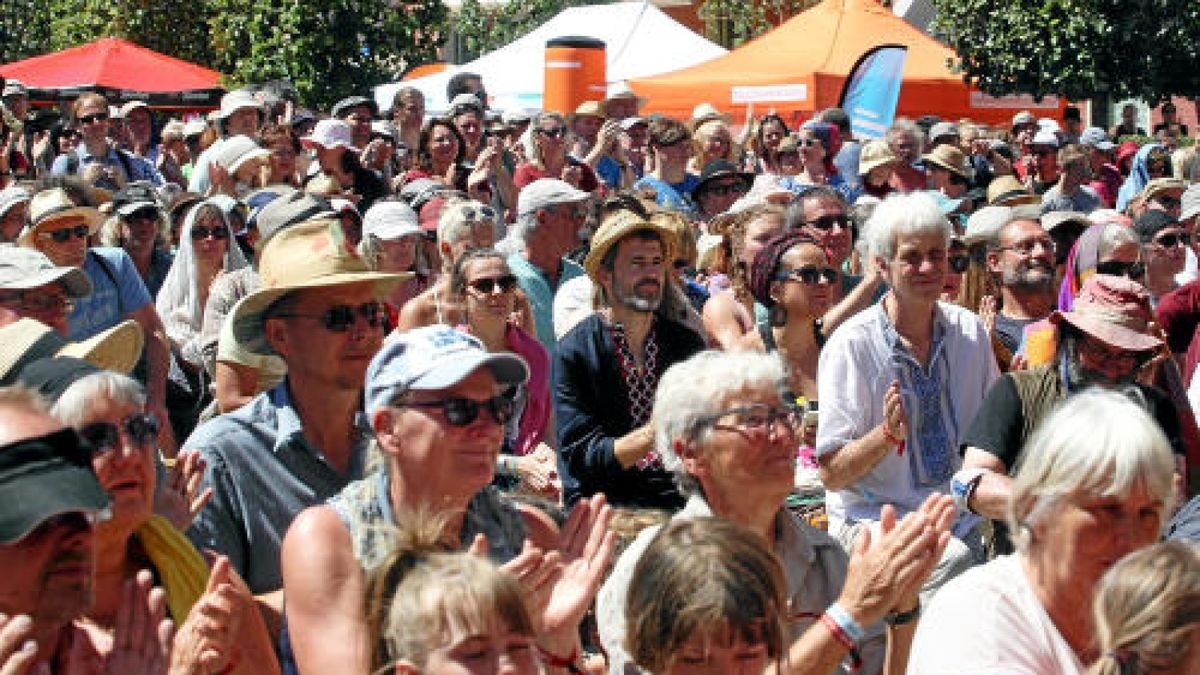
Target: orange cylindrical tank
{"x": 576, "y": 70}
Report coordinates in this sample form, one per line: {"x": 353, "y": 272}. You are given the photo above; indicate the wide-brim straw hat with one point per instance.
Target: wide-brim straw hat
{"x": 27, "y": 340}
{"x": 874, "y": 155}
{"x": 949, "y": 158}
{"x": 315, "y": 254}
{"x": 1008, "y": 191}
{"x": 622, "y": 90}
{"x": 616, "y": 227}
{"x": 54, "y": 204}
{"x": 705, "y": 113}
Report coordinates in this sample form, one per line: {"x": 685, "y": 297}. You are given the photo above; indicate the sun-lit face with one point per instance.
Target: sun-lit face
{"x": 718, "y": 654}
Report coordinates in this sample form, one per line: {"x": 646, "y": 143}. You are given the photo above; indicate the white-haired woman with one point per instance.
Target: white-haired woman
{"x": 1095, "y": 486}
{"x": 722, "y": 426}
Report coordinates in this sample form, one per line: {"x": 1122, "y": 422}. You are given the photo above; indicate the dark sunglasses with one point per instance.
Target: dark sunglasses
{"x": 148, "y": 213}
{"x": 959, "y": 263}
{"x": 1168, "y": 203}
{"x": 106, "y": 436}
{"x": 66, "y": 234}
{"x": 505, "y": 284}
{"x": 810, "y": 274}
{"x": 1131, "y": 270}
{"x": 827, "y": 222}
{"x": 200, "y": 232}
{"x": 459, "y": 412}
{"x": 1172, "y": 240}
{"x": 339, "y": 318}
{"x": 556, "y": 132}
{"x": 738, "y": 188}
{"x": 94, "y": 117}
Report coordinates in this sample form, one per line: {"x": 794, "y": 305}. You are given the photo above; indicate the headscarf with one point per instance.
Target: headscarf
{"x": 1081, "y": 264}
{"x": 766, "y": 263}
{"x": 178, "y": 301}
{"x": 1138, "y": 177}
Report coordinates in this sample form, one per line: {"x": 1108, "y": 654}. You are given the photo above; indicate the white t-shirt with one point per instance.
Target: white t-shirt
{"x": 990, "y": 621}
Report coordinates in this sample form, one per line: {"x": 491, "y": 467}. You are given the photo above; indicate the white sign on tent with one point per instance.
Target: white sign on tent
{"x": 641, "y": 41}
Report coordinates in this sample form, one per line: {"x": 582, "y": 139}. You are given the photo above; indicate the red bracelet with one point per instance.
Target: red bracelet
{"x": 898, "y": 442}
{"x": 559, "y": 662}
{"x": 840, "y": 635}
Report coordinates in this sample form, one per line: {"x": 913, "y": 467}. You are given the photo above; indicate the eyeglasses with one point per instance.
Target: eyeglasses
{"x": 1025, "y": 248}
{"x": 66, "y": 234}
{"x": 1098, "y": 352}
{"x": 148, "y": 213}
{"x": 339, "y": 318}
{"x": 504, "y": 284}
{"x": 556, "y": 132}
{"x": 1130, "y": 270}
{"x": 810, "y": 275}
{"x": 200, "y": 232}
{"x": 724, "y": 189}
{"x": 94, "y": 117}
{"x": 959, "y": 263}
{"x": 106, "y": 436}
{"x": 459, "y": 412}
{"x": 755, "y": 417}
{"x": 827, "y": 222}
{"x": 1174, "y": 239}
{"x": 39, "y": 302}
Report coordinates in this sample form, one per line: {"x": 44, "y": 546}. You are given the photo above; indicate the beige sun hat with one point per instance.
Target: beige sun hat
{"x": 949, "y": 158}
{"x": 55, "y": 204}
{"x": 874, "y": 154}
{"x": 314, "y": 254}
{"x": 707, "y": 112}
{"x": 27, "y": 340}
{"x": 616, "y": 227}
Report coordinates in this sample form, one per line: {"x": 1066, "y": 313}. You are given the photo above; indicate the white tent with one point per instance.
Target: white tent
{"x": 641, "y": 40}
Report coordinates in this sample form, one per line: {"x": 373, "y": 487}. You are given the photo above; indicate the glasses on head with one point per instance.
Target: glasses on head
{"x": 477, "y": 214}
{"x": 459, "y": 412}
{"x": 810, "y": 275}
{"x": 66, "y": 234}
{"x": 148, "y": 213}
{"x": 339, "y": 318}
{"x": 106, "y": 436}
{"x": 504, "y": 284}
{"x": 725, "y": 189}
{"x": 754, "y": 417}
{"x": 38, "y": 302}
{"x": 1028, "y": 247}
{"x": 93, "y": 118}
{"x": 958, "y": 263}
{"x": 1130, "y": 270}
{"x": 827, "y": 222}
{"x": 555, "y": 132}
{"x": 1174, "y": 239}
{"x": 200, "y": 232}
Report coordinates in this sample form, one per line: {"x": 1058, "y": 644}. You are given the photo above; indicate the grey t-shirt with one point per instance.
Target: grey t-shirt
{"x": 1085, "y": 200}
{"x": 1011, "y": 331}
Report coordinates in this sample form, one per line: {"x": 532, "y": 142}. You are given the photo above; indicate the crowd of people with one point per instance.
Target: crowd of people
{"x": 285, "y": 391}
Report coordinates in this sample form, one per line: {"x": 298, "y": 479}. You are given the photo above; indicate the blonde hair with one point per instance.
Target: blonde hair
{"x": 732, "y": 231}
{"x": 1147, "y": 610}
{"x": 426, "y": 594}
{"x": 707, "y": 130}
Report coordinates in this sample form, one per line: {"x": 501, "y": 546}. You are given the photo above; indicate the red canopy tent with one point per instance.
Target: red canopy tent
{"x": 122, "y": 71}
{"x": 801, "y": 67}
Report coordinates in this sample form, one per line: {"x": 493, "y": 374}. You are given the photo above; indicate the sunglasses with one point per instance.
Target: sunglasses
{"x": 339, "y": 318}
{"x": 1168, "y": 203}
{"x": 556, "y": 132}
{"x": 94, "y": 117}
{"x": 725, "y": 189}
{"x": 959, "y": 263}
{"x": 41, "y": 301}
{"x": 810, "y": 275}
{"x": 143, "y": 214}
{"x": 200, "y": 232}
{"x": 1173, "y": 240}
{"x": 66, "y": 234}
{"x": 1130, "y": 270}
{"x": 459, "y": 412}
{"x": 481, "y": 214}
{"x": 106, "y": 436}
{"x": 827, "y": 222}
{"x": 504, "y": 284}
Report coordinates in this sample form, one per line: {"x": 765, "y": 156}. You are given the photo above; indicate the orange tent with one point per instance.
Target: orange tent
{"x": 801, "y": 67}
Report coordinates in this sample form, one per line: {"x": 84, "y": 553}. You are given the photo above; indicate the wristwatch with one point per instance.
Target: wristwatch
{"x": 962, "y": 486}
{"x": 901, "y": 618}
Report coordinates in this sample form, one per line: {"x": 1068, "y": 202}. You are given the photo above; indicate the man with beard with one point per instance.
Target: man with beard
{"x": 1103, "y": 341}
{"x": 1021, "y": 259}
{"x": 607, "y": 368}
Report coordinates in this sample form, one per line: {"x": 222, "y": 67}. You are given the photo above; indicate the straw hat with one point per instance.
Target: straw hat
{"x": 616, "y": 227}
{"x": 874, "y": 155}
{"x": 949, "y": 158}
{"x": 1159, "y": 186}
{"x": 1008, "y": 191}
{"x": 55, "y": 204}
{"x": 315, "y": 254}
{"x": 588, "y": 109}
{"x": 27, "y": 340}
{"x": 707, "y": 112}
{"x": 622, "y": 89}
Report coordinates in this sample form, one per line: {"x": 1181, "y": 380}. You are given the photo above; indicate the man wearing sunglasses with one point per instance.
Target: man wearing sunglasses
{"x": 1102, "y": 341}
{"x": 1021, "y": 261}
{"x": 115, "y": 167}
{"x": 721, "y": 184}
{"x": 1165, "y": 243}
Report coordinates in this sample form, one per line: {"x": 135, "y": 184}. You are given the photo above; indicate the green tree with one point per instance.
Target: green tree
{"x": 732, "y": 23}
{"x": 177, "y": 28}
{"x": 1075, "y": 48}
{"x": 480, "y": 29}
{"x": 24, "y": 29}
{"x": 328, "y": 48}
